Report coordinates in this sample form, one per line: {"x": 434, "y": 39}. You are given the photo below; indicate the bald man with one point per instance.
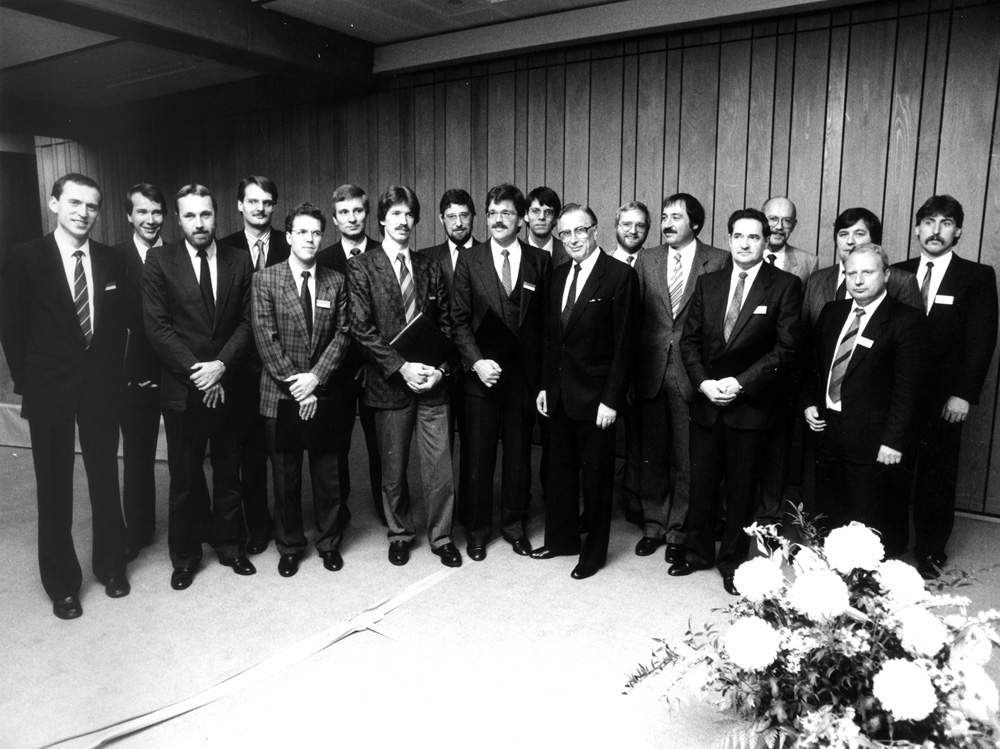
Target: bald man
{"x": 780, "y": 212}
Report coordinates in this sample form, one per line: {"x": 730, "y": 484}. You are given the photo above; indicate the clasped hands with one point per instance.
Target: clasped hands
{"x": 721, "y": 392}
{"x": 302, "y": 388}
{"x": 205, "y": 376}
{"x": 420, "y": 377}
{"x": 488, "y": 370}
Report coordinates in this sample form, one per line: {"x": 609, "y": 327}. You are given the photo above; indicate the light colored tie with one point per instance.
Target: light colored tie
{"x": 734, "y": 307}
{"x": 508, "y": 286}
{"x": 843, "y": 356}
{"x": 259, "y": 246}
{"x": 676, "y": 287}
{"x": 925, "y": 289}
{"x": 81, "y": 298}
{"x": 406, "y": 287}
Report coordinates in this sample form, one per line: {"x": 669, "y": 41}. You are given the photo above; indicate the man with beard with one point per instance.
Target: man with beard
{"x": 781, "y": 218}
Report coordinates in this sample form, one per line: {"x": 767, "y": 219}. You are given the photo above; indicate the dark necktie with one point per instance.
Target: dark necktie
{"x": 355, "y": 252}
{"x": 734, "y": 307}
{"x": 771, "y": 257}
{"x": 206, "y": 285}
{"x": 259, "y": 246}
{"x": 925, "y": 289}
{"x": 843, "y": 356}
{"x": 571, "y": 297}
{"x": 307, "y": 304}
{"x": 508, "y": 285}
{"x": 81, "y": 299}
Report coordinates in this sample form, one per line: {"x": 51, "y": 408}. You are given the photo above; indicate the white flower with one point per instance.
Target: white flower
{"x": 980, "y": 693}
{"x": 905, "y": 690}
{"x": 820, "y": 595}
{"x": 752, "y": 643}
{"x": 807, "y": 560}
{"x": 758, "y": 578}
{"x": 922, "y": 633}
{"x": 853, "y": 546}
{"x": 902, "y": 582}
{"x": 973, "y": 646}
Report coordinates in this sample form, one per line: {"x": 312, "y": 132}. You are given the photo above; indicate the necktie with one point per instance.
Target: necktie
{"x": 81, "y": 298}
{"x": 734, "y": 307}
{"x": 925, "y": 289}
{"x": 355, "y": 252}
{"x": 676, "y": 287}
{"x": 207, "y": 296}
{"x": 307, "y": 305}
{"x": 843, "y": 356}
{"x": 571, "y": 297}
{"x": 771, "y": 257}
{"x": 259, "y": 246}
{"x": 508, "y": 286}
{"x": 631, "y": 261}
{"x": 842, "y": 289}
{"x": 406, "y": 287}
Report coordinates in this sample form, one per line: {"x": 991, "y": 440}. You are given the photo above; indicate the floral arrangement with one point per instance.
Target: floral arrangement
{"x": 854, "y": 652}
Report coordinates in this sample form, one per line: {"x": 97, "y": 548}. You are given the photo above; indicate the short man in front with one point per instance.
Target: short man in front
{"x": 738, "y": 345}
{"x": 388, "y": 288}
{"x": 63, "y": 329}
{"x": 781, "y": 218}
{"x": 959, "y": 299}
{"x": 196, "y": 303}
{"x": 587, "y": 355}
{"x": 503, "y": 282}
{"x": 300, "y": 325}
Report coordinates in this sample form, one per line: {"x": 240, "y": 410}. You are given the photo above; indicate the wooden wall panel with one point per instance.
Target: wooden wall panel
{"x": 555, "y": 123}
{"x": 501, "y": 136}
{"x": 576, "y": 148}
{"x": 537, "y": 125}
{"x": 604, "y": 177}
{"x": 699, "y": 118}
{"x": 649, "y": 136}
{"x": 479, "y": 185}
{"x": 784, "y": 70}
{"x": 630, "y": 71}
{"x": 833, "y": 145}
{"x": 761, "y": 124}
{"x": 734, "y": 115}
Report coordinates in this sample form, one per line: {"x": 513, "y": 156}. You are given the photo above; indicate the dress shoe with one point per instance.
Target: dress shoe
{"x": 450, "y": 556}
{"x": 729, "y": 584}
{"x": 927, "y": 569}
{"x": 521, "y": 546}
{"x": 674, "y": 553}
{"x": 117, "y": 587}
{"x": 257, "y": 546}
{"x": 544, "y": 552}
{"x": 684, "y": 567}
{"x": 647, "y": 545}
{"x": 182, "y": 578}
{"x": 399, "y": 553}
{"x": 476, "y": 552}
{"x": 332, "y": 560}
{"x": 583, "y": 571}
{"x": 288, "y": 565}
{"x": 67, "y": 608}
{"x": 239, "y": 565}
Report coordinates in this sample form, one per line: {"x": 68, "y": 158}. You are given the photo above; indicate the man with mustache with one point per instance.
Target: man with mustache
{"x": 959, "y": 298}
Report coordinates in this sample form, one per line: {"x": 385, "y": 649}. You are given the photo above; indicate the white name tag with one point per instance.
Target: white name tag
{"x": 112, "y": 286}
{"x": 432, "y": 299}
{"x": 323, "y": 303}
{"x": 761, "y": 310}
{"x": 944, "y": 299}
{"x": 528, "y": 286}
{"x": 866, "y": 342}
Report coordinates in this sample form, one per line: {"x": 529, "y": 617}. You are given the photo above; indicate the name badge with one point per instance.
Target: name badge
{"x": 325, "y": 304}
{"x": 761, "y": 310}
{"x": 112, "y": 286}
{"x": 866, "y": 342}
{"x": 528, "y": 286}
{"x": 432, "y": 299}
{"x": 944, "y": 299}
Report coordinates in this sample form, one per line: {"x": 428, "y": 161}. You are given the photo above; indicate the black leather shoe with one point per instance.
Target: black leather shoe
{"x": 67, "y": 608}
{"x": 647, "y": 546}
{"x": 181, "y": 578}
{"x": 257, "y": 546}
{"x": 288, "y": 565}
{"x": 332, "y": 560}
{"x": 399, "y": 553}
{"x": 239, "y": 565}
{"x": 521, "y": 546}
{"x": 450, "y": 556}
{"x": 674, "y": 553}
{"x": 117, "y": 587}
{"x": 730, "y": 585}
{"x": 583, "y": 571}
{"x": 476, "y": 552}
{"x": 544, "y": 552}
{"x": 684, "y": 567}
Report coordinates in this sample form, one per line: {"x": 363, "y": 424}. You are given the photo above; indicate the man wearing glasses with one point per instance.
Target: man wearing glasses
{"x": 543, "y": 207}
{"x": 780, "y": 214}
{"x": 587, "y": 354}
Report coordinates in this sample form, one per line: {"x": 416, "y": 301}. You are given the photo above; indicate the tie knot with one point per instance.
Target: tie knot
{"x": 306, "y": 274}
{"x": 677, "y": 258}
{"x": 771, "y": 257}
{"x": 202, "y": 252}
{"x": 859, "y": 311}
{"x": 743, "y": 274}
{"x": 930, "y": 265}
{"x": 355, "y": 252}
{"x": 505, "y": 253}
{"x": 401, "y": 258}
{"x": 258, "y": 245}
{"x": 78, "y": 255}
{"x": 576, "y": 268}
{"x": 459, "y": 247}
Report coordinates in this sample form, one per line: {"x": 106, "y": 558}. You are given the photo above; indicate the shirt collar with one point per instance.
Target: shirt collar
{"x": 141, "y": 246}
{"x": 65, "y": 243}
{"x": 252, "y": 240}
{"x": 689, "y": 247}
{"x": 297, "y": 267}
{"x": 940, "y": 262}
{"x": 514, "y": 248}
{"x": 588, "y": 263}
{"x": 194, "y": 253}
{"x": 872, "y": 305}
{"x": 548, "y": 246}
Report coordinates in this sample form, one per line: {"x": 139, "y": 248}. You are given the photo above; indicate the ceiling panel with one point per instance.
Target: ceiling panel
{"x": 24, "y": 38}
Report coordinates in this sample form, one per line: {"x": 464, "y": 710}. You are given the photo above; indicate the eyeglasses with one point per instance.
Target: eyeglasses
{"x": 505, "y": 215}
{"x": 541, "y": 213}
{"x": 303, "y": 233}
{"x": 630, "y": 225}
{"x": 254, "y": 202}
{"x": 464, "y": 216}
{"x": 779, "y": 220}
{"x": 579, "y": 232}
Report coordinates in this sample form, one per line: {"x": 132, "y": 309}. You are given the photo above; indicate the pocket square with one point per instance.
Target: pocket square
{"x": 111, "y": 286}
{"x": 761, "y": 310}
{"x": 866, "y": 342}
{"x": 528, "y": 286}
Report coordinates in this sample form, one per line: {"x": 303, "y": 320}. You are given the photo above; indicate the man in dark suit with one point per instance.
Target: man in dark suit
{"x": 587, "y": 355}
{"x": 543, "y": 208}
{"x": 667, "y": 278}
{"x": 502, "y": 282}
{"x": 739, "y": 343}
{"x": 388, "y": 287}
{"x": 861, "y": 378}
{"x": 196, "y": 304}
{"x": 349, "y": 210}
{"x": 256, "y": 198}
{"x": 300, "y": 325}
{"x": 63, "y": 329}
{"x": 959, "y": 298}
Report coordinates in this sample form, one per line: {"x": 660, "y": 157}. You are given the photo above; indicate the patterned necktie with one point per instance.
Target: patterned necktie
{"x": 81, "y": 298}
{"x": 205, "y": 282}
{"x": 925, "y": 289}
{"x": 406, "y": 287}
{"x": 631, "y": 261}
{"x": 676, "y": 287}
{"x": 259, "y": 246}
{"x": 307, "y": 305}
{"x": 508, "y": 286}
{"x": 843, "y": 356}
{"x": 571, "y": 297}
{"x": 734, "y": 307}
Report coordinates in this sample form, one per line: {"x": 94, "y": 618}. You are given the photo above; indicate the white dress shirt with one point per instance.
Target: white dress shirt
{"x": 941, "y": 263}
{"x": 141, "y": 247}
{"x": 862, "y": 324}
{"x": 66, "y": 249}
{"x": 586, "y": 266}
{"x": 515, "y": 260}
{"x": 623, "y": 255}
{"x": 747, "y": 284}
{"x": 548, "y": 246}
{"x": 297, "y": 269}
{"x": 362, "y": 245}
{"x": 213, "y": 265}
{"x": 252, "y": 240}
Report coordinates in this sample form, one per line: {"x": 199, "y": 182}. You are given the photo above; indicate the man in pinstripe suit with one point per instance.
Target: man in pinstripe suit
{"x": 300, "y": 325}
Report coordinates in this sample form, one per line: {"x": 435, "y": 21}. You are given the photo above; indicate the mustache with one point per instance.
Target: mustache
{"x": 499, "y": 225}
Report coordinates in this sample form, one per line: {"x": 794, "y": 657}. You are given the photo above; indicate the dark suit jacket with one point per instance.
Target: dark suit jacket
{"x": 880, "y": 388}
{"x": 141, "y": 363}
{"x": 760, "y": 352}
{"x": 477, "y": 290}
{"x": 335, "y": 257}
{"x": 659, "y": 332}
{"x": 178, "y": 326}
{"x": 591, "y": 361}
{"x": 278, "y": 249}
{"x": 53, "y": 369}
{"x": 376, "y": 314}
{"x": 442, "y": 253}
{"x": 822, "y": 288}
{"x": 963, "y": 334}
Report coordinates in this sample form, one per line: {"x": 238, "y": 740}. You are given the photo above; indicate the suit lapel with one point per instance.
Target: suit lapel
{"x": 873, "y": 330}
{"x": 584, "y": 295}
{"x": 661, "y": 272}
{"x": 223, "y": 285}
{"x": 529, "y": 275}
{"x": 389, "y": 282}
{"x": 55, "y": 269}
{"x": 293, "y": 302}
{"x": 99, "y": 270}
{"x": 185, "y": 273}
{"x": 751, "y": 300}
{"x": 322, "y": 322}
{"x": 697, "y": 269}
{"x": 488, "y": 276}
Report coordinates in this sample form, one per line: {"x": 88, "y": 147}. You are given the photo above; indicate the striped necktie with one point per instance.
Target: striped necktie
{"x": 676, "y": 287}
{"x": 259, "y": 246}
{"x": 843, "y": 356}
{"x": 508, "y": 285}
{"x": 81, "y": 299}
{"x": 734, "y": 307}
{"x": 925, "y": 289}
{"x": 406, "y": 287}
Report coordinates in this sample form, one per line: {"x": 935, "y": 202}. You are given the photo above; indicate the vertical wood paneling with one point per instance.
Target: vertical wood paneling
{"x": 500, "y": 143}
{"x": 520, "y": 127}
{"x": 387, "y": 150}
{"x": 537, "y": 124}
{"x": 649, "y": 140}
{"x": 555, "y": 123}
{"x": 423, "y": 183}
{"x": 699, "y": 118}
{"x": 629, "y": 83}
{"x": 480, "y": 150}
{"x": 833, "y": 145}
{"x": 784, "y": 73}
{"x": 734, "y": 115}
{"x": 577, "y": 145}
{"x": 604, "y": 178}
{"x": 758, "y": 184}
{"x": 985, "y": 442}
{"x": 672, "y": 124}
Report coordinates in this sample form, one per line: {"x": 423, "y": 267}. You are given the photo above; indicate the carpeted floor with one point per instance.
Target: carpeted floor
{"x": 502, "y": 652}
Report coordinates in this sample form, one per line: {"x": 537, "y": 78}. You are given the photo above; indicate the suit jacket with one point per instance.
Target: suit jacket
{"x": 822, "y": 288}
{"x": 590, "y": 360}
{"x": 376, "y": 314}
{"x": 963, "y": 334}
{"x": 659, "y": 332}
{"x": 141, "y": 362}
{"x": 882, "y": 382}
{"x": 798, "y": 262}
{"x": 53, "y": 369}
{"x": 760, "y": 353}
{"x": 178, "y": 325}
{"x": 335, "y": 257}
{"x": 283, "y": 341}
{"x": 278, "y": 249}
{"x": 477, "y": 290}
{"x": 442, "y": 253}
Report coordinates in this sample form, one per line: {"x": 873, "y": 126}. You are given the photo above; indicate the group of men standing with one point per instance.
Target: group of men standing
{"x": 262, "y": 346}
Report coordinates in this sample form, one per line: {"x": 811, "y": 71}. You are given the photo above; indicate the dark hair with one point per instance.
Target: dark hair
{"x": 545, "y": 196}
{"x": 942, "y": 205}
{"x": 752, "y": 214}
{"x": 149, "y": 192}
{"x": 349, "y": 192}
{"x": 76, "y": 179}
{"x": 394, "y": 196}
{"x": 570, "y": 207}
{"x": 262, "y": 182}
{"x": 305, "y": 209}
{"x": 504, "y": 192}
{"x": 194, "y": 189}
{"x": 633, "y": 205}
{"x": 456, "y": 196}
{"x": 695, "y": 210}
{"x": 851, "y": 216}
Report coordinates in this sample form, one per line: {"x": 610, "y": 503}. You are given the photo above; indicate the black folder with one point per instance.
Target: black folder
{"x": 421, "y": 341}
